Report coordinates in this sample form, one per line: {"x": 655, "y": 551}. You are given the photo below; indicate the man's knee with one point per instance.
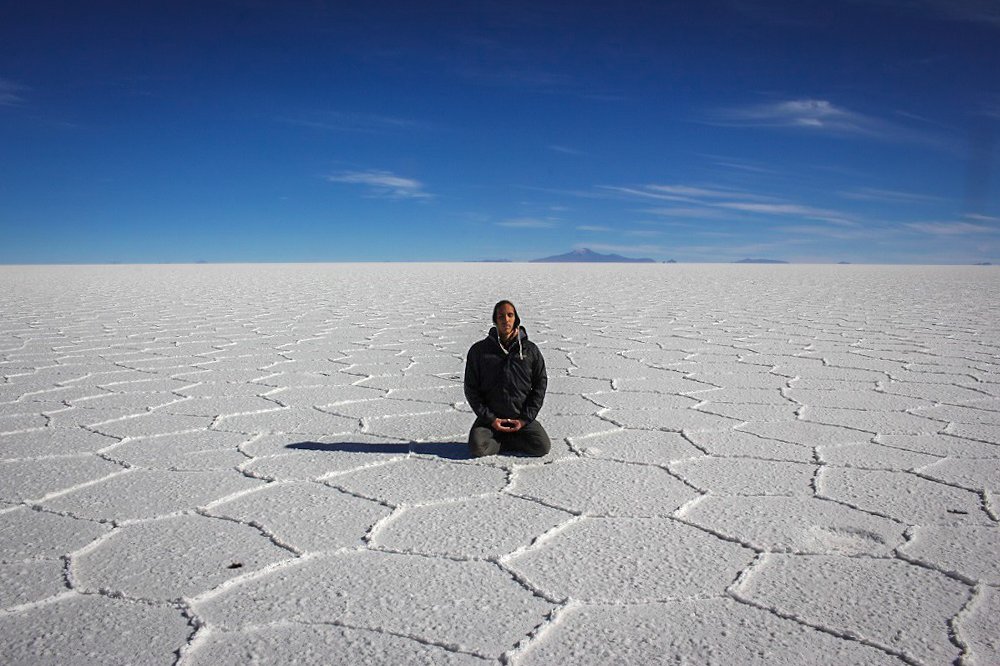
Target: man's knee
{"x": 487, "y": 448}
{"x": 482, "y": 443}
{"x": 534, "y": 441}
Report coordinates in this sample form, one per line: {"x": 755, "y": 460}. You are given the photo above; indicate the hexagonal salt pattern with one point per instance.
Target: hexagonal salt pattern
{"x": 181, "y": 557}
{"x": 977, "y": 627}
{"x": 482, "y": 527}
{"x": 713, "y": 631}
{"x": 876, "y": 600}
{"x": 305, "y": 517}
{"x": 74, "y": 629}
{"x": 320, "y": 644}
{"x": 631, "y": 560}
{"x": 474, "y": 606}
{"x": 797, "y": 467}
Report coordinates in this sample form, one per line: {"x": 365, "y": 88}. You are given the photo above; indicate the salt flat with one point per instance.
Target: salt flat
{"x": 750, "y": 464}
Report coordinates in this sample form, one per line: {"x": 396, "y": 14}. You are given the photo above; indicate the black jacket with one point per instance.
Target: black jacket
{"x": 505, "y": 384}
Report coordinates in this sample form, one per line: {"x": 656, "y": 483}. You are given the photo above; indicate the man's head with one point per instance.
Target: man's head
{"x": 505, "y": 318}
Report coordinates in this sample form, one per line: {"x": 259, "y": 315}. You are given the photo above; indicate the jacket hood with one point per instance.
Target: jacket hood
{"x": 522, "y": 333}
{"x": 521, "y": 336}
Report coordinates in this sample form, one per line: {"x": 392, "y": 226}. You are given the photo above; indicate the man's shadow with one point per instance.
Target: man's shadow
{"x": 446, "y": 450}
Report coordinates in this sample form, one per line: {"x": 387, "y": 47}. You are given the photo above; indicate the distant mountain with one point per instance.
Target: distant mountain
{"x": 760, "y": 261}
{"x": 586, "y": 255}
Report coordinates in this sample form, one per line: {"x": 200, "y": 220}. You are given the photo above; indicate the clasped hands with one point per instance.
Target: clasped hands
{"x": 507, "y": 425}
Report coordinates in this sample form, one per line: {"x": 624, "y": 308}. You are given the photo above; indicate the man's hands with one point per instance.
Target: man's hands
{"x": 507, "y": 425}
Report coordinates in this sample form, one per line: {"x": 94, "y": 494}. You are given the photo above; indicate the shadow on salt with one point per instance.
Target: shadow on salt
{"x": 446, "y": 450}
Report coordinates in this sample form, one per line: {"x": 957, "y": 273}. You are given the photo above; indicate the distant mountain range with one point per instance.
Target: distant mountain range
{"x": 760, "y": 261}
{"x": 586, "y": 255}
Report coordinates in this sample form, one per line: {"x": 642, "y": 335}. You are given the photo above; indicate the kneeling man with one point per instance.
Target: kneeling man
{"x": 505, "y": 385}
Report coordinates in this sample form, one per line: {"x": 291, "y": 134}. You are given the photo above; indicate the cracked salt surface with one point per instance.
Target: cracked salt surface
{"x": 749, "y": 464}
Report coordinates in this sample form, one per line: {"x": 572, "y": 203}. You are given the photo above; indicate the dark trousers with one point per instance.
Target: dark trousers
{"x": 530, "y": 440}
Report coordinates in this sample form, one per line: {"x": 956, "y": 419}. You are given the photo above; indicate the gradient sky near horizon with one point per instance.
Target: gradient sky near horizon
{"x": 860, "y": 131}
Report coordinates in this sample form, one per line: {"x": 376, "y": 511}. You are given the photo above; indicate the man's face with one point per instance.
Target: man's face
{"x": 505, "y": 321}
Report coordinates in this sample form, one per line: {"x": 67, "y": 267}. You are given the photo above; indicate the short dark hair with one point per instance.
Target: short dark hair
{"x": 496, "y": 308}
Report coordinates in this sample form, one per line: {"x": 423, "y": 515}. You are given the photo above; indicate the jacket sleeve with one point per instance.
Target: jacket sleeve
{"x": 473, "y": 393}
{"x": 539, "y": 382}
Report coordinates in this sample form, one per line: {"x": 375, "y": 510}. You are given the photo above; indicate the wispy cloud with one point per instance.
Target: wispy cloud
{"x": 622, "y": 249}
{"x": 689, "y": 191}
{"x": 686, "y": 212}
{"x": 814, "y": 114}
{"x": 383, "y": 184}
{"x": 951, "y": 228}
{"x": 787, "y": 209}
{"x": 822, "y": 116}
{"x": 515, "y": 76}
{"x": 890, "y": 196}
{"x": 803, "y": 232}
{"x": 981, "y": 218}
{"x": 593, "y": 227}
{"x": 338, "y": 121}
{"x": 683, "y": 193}
{"x": 526, "y": 223}
{"x": 971, "y": 11}
{"x": 711, "y": 202}
{"x": 565, "y": 150}
{"x": 10, "y": 93}
{"x": 739, "y": 164}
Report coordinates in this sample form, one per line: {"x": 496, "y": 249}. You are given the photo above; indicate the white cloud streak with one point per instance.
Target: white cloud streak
{"x": 383, "y": 184}
{"x": 526, "y": 223}
{"x": 823, "y": 117}
{"x": 338, "y": 121}
{"x": 689, "y": 191}
{"x": 686, "y": 212}
{"x": 985, "y": 12}
{"x": 711, "y": 202}
{"x": 10, "y": 93}
{"x": 890, "y": 196}
{"x": 565, "y": 150}
{"x": 622, "y": 249}
{"x": 825, "y": 215}
{"x": 950, "y": 228}
{"x": 816, "y": 114}
{"x": 592, "y": 227}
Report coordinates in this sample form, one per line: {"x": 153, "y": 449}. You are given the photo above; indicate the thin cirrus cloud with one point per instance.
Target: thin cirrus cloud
{"x": 683, "y": 193}
{"x": 383, "y": 184}
{"x": 815, "y": 114}
{"x": 686, "y": 212}
{"x": 950, "y": 228}
{"x": 809, "y": 212}
{"x": 889, "y": 196}
{"x": 10, "y": 93}
{"x": 339, "y": 121}
{"x": 593, "y": 227}
{"x": 972, "y": 11}
{"x": 803, "y": 231}
{"x": 823, "y": 117}
{"x": 713, "y": 202}
{"x": 526, "y": 223}
{"x": 981, "y": 218}
{"x": 565, "y": 150}
{"x": 625, "y": 249}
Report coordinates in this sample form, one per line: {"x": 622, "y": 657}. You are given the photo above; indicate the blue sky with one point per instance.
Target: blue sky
{"x": 428, "y": 131}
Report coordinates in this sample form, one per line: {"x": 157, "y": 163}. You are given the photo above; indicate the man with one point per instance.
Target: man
{"x": 505, "y": 385}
